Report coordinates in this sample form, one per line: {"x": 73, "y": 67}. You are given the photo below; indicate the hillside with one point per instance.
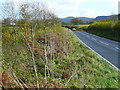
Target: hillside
{"x": 84, "y": 19}
{"x": 87, "y": 19}
{"x": 114, "y": 17}
{"x": 66, "y": 20}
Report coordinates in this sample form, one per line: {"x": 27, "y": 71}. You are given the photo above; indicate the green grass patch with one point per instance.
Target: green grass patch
{"x": 97, "y": 71}
{"x": 83, "y": 25}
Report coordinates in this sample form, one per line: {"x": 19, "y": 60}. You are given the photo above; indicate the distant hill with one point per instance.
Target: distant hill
{"x": 66, "y": 20}
{"x": 101, "y": 18}
{"x": 84, "y": 19}
{"x": 114, "y": 17}
{"x": 88, "y": 20}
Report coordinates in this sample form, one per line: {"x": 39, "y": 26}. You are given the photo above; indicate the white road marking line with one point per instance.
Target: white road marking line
{"x": 100, "y": 55}
{"x": 94, "y": 39}
{"x": 117, "y": 48}
{"x": 104, "y": 43}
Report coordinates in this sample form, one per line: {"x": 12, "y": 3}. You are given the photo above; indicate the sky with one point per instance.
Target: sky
{"x": 77, "y": 8}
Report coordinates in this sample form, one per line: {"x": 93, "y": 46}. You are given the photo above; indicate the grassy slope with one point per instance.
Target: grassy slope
{"x": 98, "y": 71}
{"x": 82, "y": 67}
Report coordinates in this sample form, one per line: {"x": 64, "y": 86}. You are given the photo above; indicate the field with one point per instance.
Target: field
{"x": 78, "y": 27}
{"x": 84, "y": 25}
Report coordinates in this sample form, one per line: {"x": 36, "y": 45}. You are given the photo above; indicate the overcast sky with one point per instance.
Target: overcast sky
{"x": 77, "y": 8}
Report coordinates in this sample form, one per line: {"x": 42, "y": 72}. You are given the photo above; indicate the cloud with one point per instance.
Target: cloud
{"x": 93, "y": 13}
{"x": 74, "y": 1}
{"x": 65, "y": 8}
{"x": 17, "y": 1}
{"x": 119, "y": 7}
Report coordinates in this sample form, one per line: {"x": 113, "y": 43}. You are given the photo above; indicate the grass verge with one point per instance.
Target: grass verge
{"x": 99, "y": 73}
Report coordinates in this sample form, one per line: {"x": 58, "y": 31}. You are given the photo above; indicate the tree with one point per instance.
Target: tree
{"x": 76, "y": 21}
{"x": 7, "y": 21}
{"x": 35, "y": 16}
{"x": 36, "y": 23}
{"x": 118, "y": 16}
{"x": 9, "y": 12}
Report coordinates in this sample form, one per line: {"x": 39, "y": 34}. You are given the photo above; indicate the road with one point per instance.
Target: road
{"x": 108, "y": 49}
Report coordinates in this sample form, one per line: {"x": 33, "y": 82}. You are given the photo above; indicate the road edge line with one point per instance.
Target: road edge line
{"x": 99, "y": 54}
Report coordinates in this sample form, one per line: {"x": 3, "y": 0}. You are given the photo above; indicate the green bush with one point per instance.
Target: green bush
{"x": 116, "y": 29}
{"x": 106, "y": 29}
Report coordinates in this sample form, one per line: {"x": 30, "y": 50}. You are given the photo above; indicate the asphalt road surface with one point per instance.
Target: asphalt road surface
{"x": 108, "y": 49}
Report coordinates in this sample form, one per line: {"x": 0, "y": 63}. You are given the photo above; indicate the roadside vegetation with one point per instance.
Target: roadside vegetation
{"x": 75, "y": 23}
{"x": 107, "y": 29}
{"x": 39, "y": 53}
{"x": 79, "y": 27}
